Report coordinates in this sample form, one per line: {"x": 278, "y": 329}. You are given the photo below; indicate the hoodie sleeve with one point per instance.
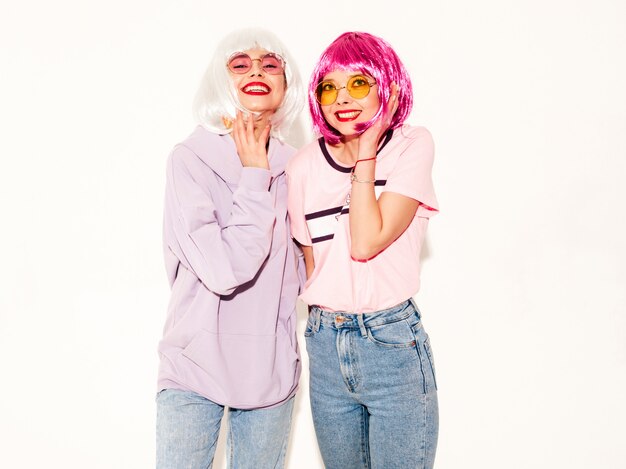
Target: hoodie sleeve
{"x": 222, "y": 255}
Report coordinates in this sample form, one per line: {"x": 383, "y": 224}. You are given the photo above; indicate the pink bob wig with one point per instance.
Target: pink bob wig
{"x": 364, "y": 53}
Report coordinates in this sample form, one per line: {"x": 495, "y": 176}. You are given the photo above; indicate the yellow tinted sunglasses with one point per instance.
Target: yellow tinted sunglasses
{"x": 358, "y": 87}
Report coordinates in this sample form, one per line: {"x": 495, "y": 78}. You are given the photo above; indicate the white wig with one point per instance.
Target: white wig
{"x": 217, "y": 96}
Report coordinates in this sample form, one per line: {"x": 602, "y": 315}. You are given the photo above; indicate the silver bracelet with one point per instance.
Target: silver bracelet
{"x": 354, "y": 179}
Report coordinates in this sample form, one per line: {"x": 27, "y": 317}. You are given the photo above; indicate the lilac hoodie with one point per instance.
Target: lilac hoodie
{"x": 230, "y": 333}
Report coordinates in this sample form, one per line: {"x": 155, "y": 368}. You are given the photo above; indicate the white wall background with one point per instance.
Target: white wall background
{"x": 524, "y": 281}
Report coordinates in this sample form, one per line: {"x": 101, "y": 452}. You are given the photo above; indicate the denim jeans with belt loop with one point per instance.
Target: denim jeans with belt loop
{"x": 373, "y": 388}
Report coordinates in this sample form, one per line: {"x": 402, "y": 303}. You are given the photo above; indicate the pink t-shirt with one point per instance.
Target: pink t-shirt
{"x": 318, "y": 203}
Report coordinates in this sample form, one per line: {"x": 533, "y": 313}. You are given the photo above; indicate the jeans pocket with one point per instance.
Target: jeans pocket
{"x": 431, "y": 361}
{"x": 395, "y": 334}
{"x": 308, "y": 330}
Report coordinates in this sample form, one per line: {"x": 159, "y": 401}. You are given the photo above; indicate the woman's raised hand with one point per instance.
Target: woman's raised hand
{"x": 369, "y": 139}
{"x": 251, "y": 143}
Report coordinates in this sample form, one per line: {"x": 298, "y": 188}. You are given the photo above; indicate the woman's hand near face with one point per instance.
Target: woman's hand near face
{"x": 368, "y": 140}
{"x": 251, "y": 143}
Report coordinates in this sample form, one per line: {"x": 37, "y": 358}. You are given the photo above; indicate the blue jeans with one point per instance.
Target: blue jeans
{"x": 373, "y": 388}
{"x": 188, "y": 426}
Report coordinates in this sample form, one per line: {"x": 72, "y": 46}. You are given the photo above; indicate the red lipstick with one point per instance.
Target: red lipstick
{"x": 256, "y": 88}
{"x": 347, "y": 115}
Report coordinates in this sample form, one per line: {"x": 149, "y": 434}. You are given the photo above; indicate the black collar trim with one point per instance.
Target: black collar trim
{"x": 344, "y": 169}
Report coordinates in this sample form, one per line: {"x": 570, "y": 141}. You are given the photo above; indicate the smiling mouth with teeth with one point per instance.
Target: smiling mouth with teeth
{"x": 345, "y": 116}
{"x": 256, "y": 88}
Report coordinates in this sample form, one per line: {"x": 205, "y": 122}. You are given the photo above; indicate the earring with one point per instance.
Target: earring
{"x": 228, "y": 122}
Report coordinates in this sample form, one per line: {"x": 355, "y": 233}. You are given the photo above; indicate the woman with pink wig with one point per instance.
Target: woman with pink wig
{"x": 360, "y": 199}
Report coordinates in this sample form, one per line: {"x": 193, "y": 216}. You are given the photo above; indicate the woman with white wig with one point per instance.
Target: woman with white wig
{"x": 230, "y": 334}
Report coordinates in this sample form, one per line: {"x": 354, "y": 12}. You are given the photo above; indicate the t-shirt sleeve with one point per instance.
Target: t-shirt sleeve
{"x": 412, "y": 174}
{"x": 295, "y": 202}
